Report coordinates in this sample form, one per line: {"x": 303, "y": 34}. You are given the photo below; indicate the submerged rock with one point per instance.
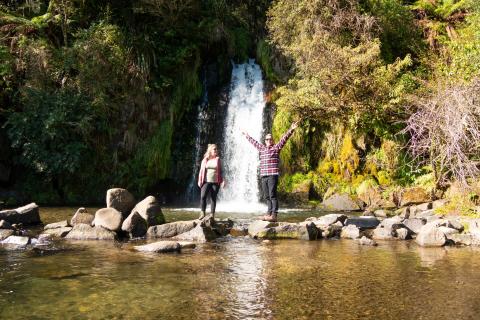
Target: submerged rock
{"x": 171, "y": 229}
{"x": 86, "y": 232}
{"x": 364, "y": 241}
{"x": 160, "y": 247}
{"x": 26, "y": 215}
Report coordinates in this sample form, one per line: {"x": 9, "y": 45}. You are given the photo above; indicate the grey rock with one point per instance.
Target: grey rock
{"x": 350, "y": 232}
{"x": 430, "y": 236}
{"x": 302, "y": 231}
{"x": 256, "y": 226}
{"x": 198, "y": 234}
{"x": 381, "y": 233}
{"x": 150, "y": 210}
{"x": 5, "y": 225}
{"x": 160, "y": 247}
{"x": 364, "y": 241}
{"x": 171, "y": 229}
{"x": 425, "y": 214}
{"x": 108, "y": 218}
{"x": 466, "y": 239}
{"x": 342, "y": 202}
{"x": 85, "y": 232}
{"x": 135, "y": 225}
{"x": 27, "y": 215}
{"x": 333, "y": 230}
{"x": 82, "y": 216}
{"x": 60, "y": 224}
{"x": 363, "y": 222}
{"x": 329, "y": 219}
{"x": 455, "y": 224}
{"x": 120, "y": 199}
{"x": 5, "y": 233}
{"x": 414, "y": 224}
{"x": 16, "y": 240}
{"x": 44, "y": 239}
{"x": 392, "y": 223}
{"x": 402, "y": 233}
{"x": 382, "y": 213}
{"x": 58, "y": 232}
{"x": 447, "y": 231}
{"x": 403, "y": 212}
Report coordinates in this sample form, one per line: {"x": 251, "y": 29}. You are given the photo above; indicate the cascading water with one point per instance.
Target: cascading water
{"x": 240, "y": 158}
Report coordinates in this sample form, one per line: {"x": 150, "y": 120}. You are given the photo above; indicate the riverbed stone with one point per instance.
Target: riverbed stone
{"x": 238, "y": 231}
{"x": 258, "y": 225}
{"x": 363, "y": 222}
{"x": 402, "y": 233}
{"x": 160, "y": 247}
{"x": 55, "y": 225}
{"x": 329, "y": 219}
{"x": 121, "y": 200}
{"x": 171, "y": 229}
{"x": 26, "y": 215}
{"x": 108, "y": 218}
{"x": 82, "y": 216}
{"x": 466, "y": 239}
{"x": 86, "y": 232}
{"x": 342, "y": 202}
{"x": 150, "y": 210}
{"x": 383, "y": 213}
{"x": 381, "y": 233}
{"x": 364, "y": 241}
{"x": 302, "y": 231}
{"x": 16, "y": 240}
{"x": 58, "y": 232}
{"x": 5, "y": 233}
{"x": 430, "y": 236}
{"x": 330, "y": 231}
{"x": 5, "y": 225}
{"x": 135, "y": 225}
{"x": 187, "y": 244}
{"x": 423, "y": 214}
{"x": 350, "y": 232}
{"x": 198, "y": 234}
{"x": 447, "y": 231}
{"x": 414, "y": 224}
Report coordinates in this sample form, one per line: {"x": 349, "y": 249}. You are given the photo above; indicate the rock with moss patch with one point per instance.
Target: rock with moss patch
{"x": 150, "y": 210}
{"x": 342, "y": 202}
{"x": 415, "y": 195}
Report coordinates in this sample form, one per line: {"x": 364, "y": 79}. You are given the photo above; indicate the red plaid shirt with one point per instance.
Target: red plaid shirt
{"x": 269, "y": 156}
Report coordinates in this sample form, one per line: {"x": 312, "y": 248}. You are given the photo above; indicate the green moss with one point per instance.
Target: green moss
{"x": 264, "y": 56}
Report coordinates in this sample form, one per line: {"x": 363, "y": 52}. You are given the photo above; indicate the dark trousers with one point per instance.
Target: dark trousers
{"x": 269, "y": 188}
{"x": 212, "y": 189}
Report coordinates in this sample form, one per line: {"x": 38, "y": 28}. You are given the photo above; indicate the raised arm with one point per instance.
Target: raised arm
{"x": 285, "y": 136}
{"x": 255, "y": 143}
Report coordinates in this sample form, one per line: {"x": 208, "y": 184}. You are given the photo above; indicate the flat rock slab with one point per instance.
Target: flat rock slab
{"x": 86, "y": 232}
{"x": 60, "y": 224}
{"x": 16, "y": 240}
{"x": 5, "y": 233}
{"x": 58, "y": 232}
{"x": 27, "y": 215}
{"x": 171, "y": 229}
{"x": 363, "y": 222}
{"x": 160, "y": 247}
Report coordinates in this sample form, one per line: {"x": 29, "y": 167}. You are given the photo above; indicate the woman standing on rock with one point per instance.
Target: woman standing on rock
{"x": 210, "y": 179}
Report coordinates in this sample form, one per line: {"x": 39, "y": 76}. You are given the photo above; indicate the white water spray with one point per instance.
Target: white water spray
{"x": 240, "y": 158}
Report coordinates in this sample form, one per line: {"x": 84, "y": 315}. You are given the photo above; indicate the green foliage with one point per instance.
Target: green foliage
{"x": 264, "y": 56}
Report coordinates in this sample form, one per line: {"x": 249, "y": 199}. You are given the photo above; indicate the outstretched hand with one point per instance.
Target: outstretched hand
{"x": 244, "y": 133}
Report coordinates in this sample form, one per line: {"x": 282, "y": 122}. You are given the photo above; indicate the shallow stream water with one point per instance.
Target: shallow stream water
{"x": 239, "y": 278}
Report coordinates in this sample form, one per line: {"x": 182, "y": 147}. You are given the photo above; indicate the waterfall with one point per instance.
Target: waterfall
{"x": 240, "y": 158}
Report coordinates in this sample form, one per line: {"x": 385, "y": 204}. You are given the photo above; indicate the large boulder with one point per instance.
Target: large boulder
{"x": 58, "y": 232}
{"x": 150, "y": 210}
{"x": 108, "y": 218}
{"x": 200, "y": 233}
{"x": 342, "y": 202}
{"x": 363, "y": 222}
{"x": 160, "y": 247}
{"x": 16, "y": 240}
{"x": 414, "y": 224}
{"x": 415, "y": 195}
{"x": 350, "y": 232}
{"x": 55, "y": 225}
{"x": 5, "y": 233}
{"x": 171, "y": 229}
{"x": 135, "y": 225}
{"x": 86, "y": 232}
{"x": 27, "y": 215}
{"x": 121, "y": 200}
{"x": 302, "y": 231}
{"x": 82, "y": 216}
{"x": 258, "y": 225}
{"x": 430, "y": 236}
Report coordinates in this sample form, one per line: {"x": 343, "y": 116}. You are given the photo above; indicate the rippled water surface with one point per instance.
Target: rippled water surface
{"x": 239, "y": 278}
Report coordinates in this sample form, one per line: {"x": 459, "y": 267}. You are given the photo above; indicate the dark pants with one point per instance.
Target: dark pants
{"x": 269, "y": 188}
{"x": 212, "y": 189}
